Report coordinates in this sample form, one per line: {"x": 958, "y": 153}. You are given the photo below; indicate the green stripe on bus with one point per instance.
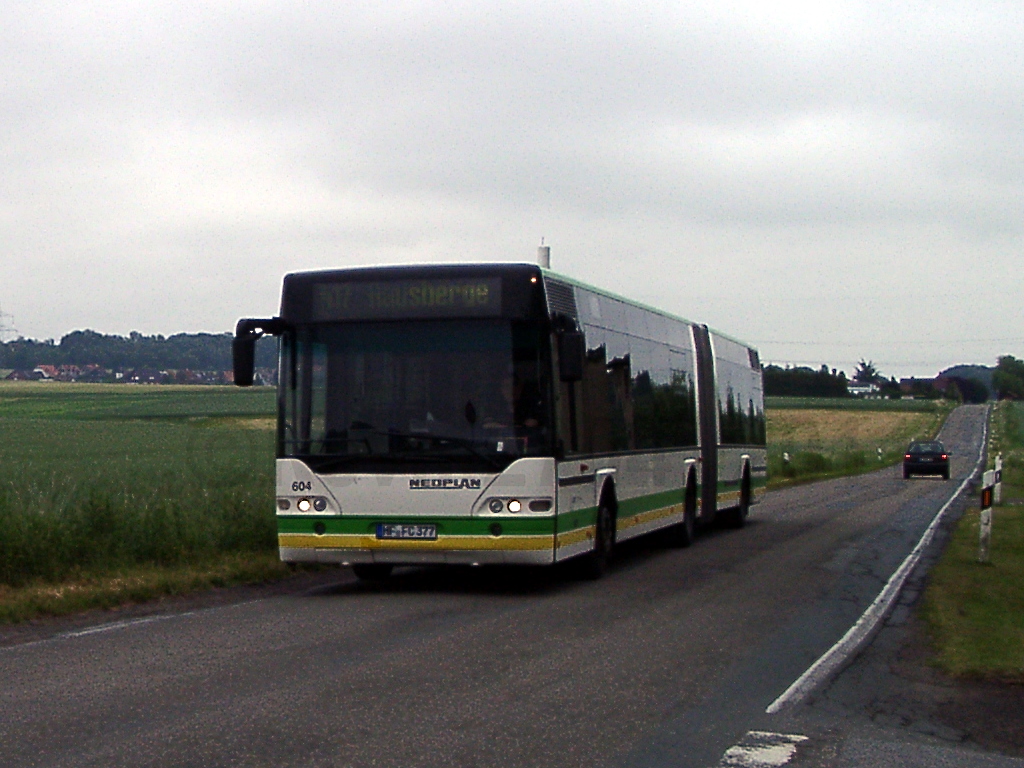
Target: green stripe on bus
{"x": 446, "y": 526}
{"x": 641, "y": 504}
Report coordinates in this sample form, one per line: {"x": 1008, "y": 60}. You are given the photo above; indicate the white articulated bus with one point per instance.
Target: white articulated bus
{"x": 498, "y": 413}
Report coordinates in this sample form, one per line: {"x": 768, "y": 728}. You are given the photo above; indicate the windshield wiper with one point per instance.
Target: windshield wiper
{"x": 325, "y": 461}
{"x": 443, "y": 439}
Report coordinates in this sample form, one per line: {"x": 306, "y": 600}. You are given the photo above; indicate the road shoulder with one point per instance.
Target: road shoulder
{"x": 892, "y": 694}
{"x": 53, "y": 626}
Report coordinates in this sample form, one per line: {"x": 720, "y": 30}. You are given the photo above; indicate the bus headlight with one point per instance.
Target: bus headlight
{"x": 304, "y": 505}
{"x": 515, "y": 505}
{"x": 319, "y": 503}
{"x": 495, "y": 505}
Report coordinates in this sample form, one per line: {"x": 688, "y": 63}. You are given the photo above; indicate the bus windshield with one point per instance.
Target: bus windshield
{"x": 415, "y": 396}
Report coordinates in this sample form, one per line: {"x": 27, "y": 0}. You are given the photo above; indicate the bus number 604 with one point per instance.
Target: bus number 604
{"x": 299, "y": 486}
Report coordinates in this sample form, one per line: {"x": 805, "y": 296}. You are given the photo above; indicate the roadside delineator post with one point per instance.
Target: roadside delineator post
{"x": 988, "y": 482}
{"x": 997, "y": 492}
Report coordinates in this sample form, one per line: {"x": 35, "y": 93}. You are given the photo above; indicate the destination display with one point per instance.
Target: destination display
{"x": 396, "y": 299}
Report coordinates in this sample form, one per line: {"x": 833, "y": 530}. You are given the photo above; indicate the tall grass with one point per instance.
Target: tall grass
{"x": 90, "y": 484}
{"x": 1007, "y": 438}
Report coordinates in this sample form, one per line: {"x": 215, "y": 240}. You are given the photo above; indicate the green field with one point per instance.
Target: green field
{"x": 815, "y": 438}
{"x": 974, "y": 611}
{"x": 124, "y": 492}
{"x": 856, "y": 404}
{"x": 98, "y": 480}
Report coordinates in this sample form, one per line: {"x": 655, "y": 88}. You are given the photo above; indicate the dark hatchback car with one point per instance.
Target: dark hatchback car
{"x": 926, "y": 458}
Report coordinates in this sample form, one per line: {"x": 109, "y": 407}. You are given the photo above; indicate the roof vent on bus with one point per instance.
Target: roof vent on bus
{"x": 561, "y": 298}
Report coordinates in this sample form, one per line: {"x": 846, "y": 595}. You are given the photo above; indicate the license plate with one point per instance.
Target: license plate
{"x": 925, "y": 458}
{"x": 406, "y": 531}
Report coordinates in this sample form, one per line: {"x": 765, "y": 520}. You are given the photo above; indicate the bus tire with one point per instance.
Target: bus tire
{"x": 682, "y": 534}
{"x": 595, "y": 563}
{"x": 372, "y": 571}
{"x": 737, "y": 516}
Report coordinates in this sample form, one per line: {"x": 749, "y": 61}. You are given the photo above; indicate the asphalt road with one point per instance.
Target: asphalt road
{"x": 668, "y": 660}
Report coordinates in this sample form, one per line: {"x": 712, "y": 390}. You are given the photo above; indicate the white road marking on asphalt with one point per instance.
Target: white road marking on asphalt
{"x": 125, "y": 624}
{"x": 122, "y": 624}
{"x": 761, "y": 749}
{"x": 848, "y": 644}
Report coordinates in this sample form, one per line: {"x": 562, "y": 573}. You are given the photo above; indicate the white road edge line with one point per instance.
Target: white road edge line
{"x": 849, "y": 643}
{"x": 760, "y": 749}
{"x": 124, "y": 624}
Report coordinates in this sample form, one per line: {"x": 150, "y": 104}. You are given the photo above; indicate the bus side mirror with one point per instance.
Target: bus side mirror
{"x": 243, "y": 355}
{"x": 243, "y": 346}
{"x": 571, "y": 348}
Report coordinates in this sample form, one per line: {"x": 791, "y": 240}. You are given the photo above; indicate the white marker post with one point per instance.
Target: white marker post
{"x": 985, "y": 529}
{"x": 997, "y": 492}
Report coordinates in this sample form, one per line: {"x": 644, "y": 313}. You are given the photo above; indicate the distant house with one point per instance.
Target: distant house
{"x": 68, "y": 373}
{"x": 23, "y": 375}
{"x": 47, "y": 371}
{"x": 146, "y": 376}
{"x": 856, "y": 389}
{"x": 93, "y": 374}
{"x": 264, "y": 377}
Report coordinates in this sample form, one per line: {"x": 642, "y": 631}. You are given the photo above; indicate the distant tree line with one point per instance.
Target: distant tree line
{"x": 804, "y": 382}
{"x": 1008, "y": 379}
{"x": 195, "y": 351}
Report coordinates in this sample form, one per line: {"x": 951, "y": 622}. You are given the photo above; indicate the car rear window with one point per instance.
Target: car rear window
{"x": 926, "y": 448}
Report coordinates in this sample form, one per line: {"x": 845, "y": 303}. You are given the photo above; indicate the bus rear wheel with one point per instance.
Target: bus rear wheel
{"x": 372, "y": 571}
{"x": 737, "y": 517}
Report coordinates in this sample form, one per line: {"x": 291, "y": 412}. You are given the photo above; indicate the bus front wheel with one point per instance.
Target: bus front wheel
{"x": 596, "y": 562}
{"x": 684, "y": 532}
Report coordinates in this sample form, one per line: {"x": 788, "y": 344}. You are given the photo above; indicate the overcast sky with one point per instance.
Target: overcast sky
{"x": 830, "y": 181}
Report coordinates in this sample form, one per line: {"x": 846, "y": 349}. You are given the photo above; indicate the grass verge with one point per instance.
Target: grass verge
{"x": 975, "y": 612}
{"x": 135, "y": 585}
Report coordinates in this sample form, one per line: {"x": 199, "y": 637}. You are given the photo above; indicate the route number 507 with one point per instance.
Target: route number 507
{"x": 299, "y": 486}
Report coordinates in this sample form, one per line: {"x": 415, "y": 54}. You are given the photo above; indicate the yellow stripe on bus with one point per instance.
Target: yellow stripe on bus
{"x": 442, "y": 543}
{"x": 649, "y": 515}
{"x": 569, "y": 538}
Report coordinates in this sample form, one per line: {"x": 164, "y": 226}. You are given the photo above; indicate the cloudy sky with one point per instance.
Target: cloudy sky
{"x": 831, "y": 181}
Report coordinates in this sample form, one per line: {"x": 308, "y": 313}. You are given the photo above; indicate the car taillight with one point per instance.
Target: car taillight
{"x": 944, "y": 456}
{"x": 906, "y": 456}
